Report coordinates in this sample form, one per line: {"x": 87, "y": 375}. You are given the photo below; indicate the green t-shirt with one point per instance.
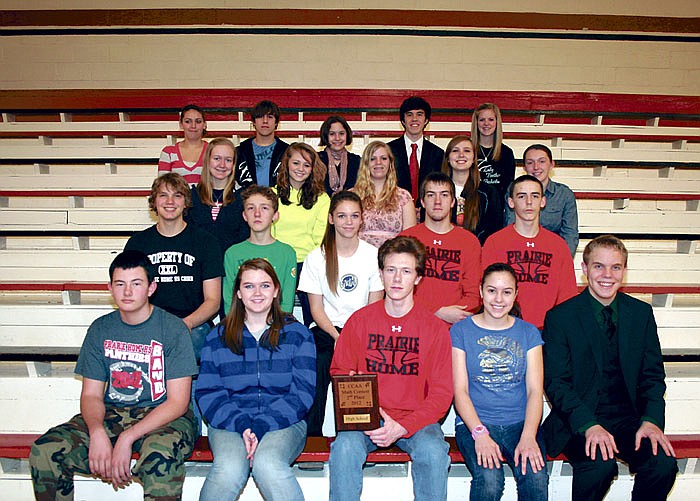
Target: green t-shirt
{"x": 280, "y": 255}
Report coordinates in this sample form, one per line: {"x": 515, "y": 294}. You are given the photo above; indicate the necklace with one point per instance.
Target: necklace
{"x": 485, "y": 152}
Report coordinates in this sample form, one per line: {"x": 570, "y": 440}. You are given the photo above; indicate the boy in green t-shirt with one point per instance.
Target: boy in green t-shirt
{"x": 260, "y": 206}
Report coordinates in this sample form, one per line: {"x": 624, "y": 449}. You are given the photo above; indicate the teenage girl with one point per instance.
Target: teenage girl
{"x": 495, "y": 160}
{"x": 255, "y": 387}
{"x": 216, "y": 206}
{"x": 186, "y": 157}
{"x": 479, "y": 207}
{"x": 339, "y": 278}
{"x": 498, "y": 373}
{"x": 303, "y": 209}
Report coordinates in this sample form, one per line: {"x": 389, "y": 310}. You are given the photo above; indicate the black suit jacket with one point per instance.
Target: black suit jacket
{"x": 246, "y": 174}
{"x": 573, "y": 359}
{"x": 430, "y": 161}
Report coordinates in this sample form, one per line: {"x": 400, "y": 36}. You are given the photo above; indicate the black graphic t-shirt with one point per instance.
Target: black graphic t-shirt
{"x": 181, "y": 264}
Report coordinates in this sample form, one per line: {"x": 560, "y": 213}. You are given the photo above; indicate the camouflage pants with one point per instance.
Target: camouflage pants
{"x": 63, "y": 451}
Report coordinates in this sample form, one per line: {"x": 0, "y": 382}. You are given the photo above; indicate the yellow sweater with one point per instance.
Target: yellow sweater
{"x": 302, "y": 229}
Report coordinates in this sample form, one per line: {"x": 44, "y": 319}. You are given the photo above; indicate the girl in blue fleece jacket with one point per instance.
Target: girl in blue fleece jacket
{"x": 256, "y": 384}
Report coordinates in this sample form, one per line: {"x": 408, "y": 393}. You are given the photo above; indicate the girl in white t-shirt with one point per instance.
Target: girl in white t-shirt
{"x": 340, "y": 277}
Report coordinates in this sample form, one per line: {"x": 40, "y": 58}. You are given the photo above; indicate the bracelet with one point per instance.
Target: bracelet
{"x": 479, "y": 430}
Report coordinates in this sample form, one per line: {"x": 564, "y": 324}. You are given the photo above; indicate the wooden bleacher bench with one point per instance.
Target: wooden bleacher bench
{"x": 317, "y": 449}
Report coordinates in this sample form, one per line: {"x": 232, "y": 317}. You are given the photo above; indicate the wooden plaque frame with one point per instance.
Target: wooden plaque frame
{"x": 356, "y": 402}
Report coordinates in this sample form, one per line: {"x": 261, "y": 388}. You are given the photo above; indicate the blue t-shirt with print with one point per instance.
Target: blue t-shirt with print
{"x": 496, "y": 368}
{"x": 263, "y": 158}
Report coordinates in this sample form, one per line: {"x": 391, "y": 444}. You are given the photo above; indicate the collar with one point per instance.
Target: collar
{"x": 597, "y": 308}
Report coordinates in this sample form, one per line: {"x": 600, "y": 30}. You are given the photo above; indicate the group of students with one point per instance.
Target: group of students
{"x": 423, "y": 306}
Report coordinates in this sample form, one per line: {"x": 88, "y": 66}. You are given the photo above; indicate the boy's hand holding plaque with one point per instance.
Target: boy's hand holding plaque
{"x": 356, "y": 402}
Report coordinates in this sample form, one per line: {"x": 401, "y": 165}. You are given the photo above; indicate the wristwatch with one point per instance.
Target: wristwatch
{"x": 479, "y": 430}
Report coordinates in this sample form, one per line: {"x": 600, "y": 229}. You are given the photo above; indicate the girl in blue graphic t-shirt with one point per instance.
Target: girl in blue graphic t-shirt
{"x": 498, "y": 384}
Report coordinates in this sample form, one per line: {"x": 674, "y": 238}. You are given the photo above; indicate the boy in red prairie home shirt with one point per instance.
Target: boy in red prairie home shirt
{"x": 540, "y": 258}
{"x": 450, "y": 287}
{"x": 409, "y": 349}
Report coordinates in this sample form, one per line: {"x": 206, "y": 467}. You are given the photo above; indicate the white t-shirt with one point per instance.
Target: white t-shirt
{"x": 358, "y": 275}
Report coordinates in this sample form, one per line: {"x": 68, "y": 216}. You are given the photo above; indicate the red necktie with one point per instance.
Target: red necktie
{"x": 413, "y": 170}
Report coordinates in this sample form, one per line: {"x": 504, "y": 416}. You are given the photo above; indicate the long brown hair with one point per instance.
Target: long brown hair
{"x": 471, "y": 187}
{"x": 388, "y": 199}
{"x": 312, "y": 187}
{"x": 204, "y": 187}
{"x": 498, "y": 139}
{"x": 328, "y": 246}
{"x": 234, "y": 323}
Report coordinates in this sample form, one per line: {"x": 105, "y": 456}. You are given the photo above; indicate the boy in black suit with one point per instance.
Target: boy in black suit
{"x": 604, "y": 377}
{"x": 415, "y": 156}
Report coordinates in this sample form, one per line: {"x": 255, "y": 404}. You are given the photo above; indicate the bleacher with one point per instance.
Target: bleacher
{"x": 76, "y": 171}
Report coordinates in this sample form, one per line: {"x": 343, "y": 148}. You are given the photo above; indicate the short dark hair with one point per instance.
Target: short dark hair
{"x": 437, "y": 178}
{"x": 189, "y": 107}
{"x": 415, "y": 103}
{"x": 538, "y": 147}
{"x": 265, "y": 191}
{"x": 265, "y": 108}
{"x": 130, "y": 259}
{"x": 607, "y": 241}
{"x": 522, "y": 179}
{"x": 326, "y": 128}
{"x": 404, "y": 245}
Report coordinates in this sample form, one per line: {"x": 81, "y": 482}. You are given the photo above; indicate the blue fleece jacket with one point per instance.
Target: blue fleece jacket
{"x": 261, "y": 389}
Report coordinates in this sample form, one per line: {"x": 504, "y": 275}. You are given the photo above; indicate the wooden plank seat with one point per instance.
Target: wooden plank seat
{"x": 317, "y": 449}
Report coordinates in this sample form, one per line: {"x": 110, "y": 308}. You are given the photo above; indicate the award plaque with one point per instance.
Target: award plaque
{"x": 356, "y": 402}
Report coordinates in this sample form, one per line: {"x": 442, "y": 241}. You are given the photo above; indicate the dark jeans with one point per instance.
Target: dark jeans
{"x": 654, "y": 475}
{"x": 324, "y": 354}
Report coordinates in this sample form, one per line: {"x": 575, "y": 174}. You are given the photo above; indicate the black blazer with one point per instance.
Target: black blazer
{"x": 430, "y": 161}
{"x": 573, "y": 359}
{"x": 246, "y": 173}
{"x": 353, "y": 168}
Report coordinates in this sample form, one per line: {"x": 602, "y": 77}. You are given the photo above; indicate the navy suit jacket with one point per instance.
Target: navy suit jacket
{"x": 573, "y": 365}
{"x": 430, "y": 161}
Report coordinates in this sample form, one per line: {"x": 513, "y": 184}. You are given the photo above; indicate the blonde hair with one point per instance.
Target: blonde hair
{"x": 204, "y": 187}
{"x": 388, "y": 198}
{"x": 498, "y": 139}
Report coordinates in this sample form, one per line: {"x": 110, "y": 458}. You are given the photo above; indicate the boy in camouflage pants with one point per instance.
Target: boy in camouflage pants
{"x": 136, "y": 365}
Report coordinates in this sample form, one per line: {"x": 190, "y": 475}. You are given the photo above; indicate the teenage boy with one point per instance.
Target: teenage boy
{"x": 260, "y": 210}
{"x": 560, "y": 215}
{"x": 604, "y": 376}
{"x": 539, "y": 257}
{"x": 450, "y": 288}
{"x": 136, "y": 364}
{"x": 258, "y": 158}
{"x": 415, "y": 156}
{"x": 409, "y": 350}
{"x": 187, "y": 260}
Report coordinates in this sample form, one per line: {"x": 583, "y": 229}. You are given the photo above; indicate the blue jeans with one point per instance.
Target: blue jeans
{"x": 487, "y": 484}
{"x": 272, "y": 462}
{"x": 428, "y": 451}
